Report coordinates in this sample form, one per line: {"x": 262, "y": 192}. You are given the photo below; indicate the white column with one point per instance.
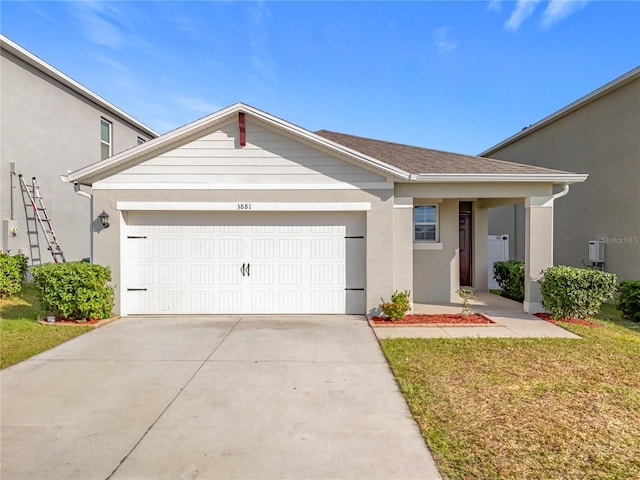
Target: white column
{"x": 403, "y": 245}
{"x": 538, "y": 248}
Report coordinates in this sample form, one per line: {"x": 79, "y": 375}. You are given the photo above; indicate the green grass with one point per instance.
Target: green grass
{"x": 21, "y": 336}
{"x": 528, "y": 408}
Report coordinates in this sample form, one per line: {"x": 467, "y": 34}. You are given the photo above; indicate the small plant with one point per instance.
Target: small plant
{"x": 398, "y": 306}
{"x": 78, "y": 290}
{"x": 569, "y": 292}
{"x": 466, "y": 295}
{"x": 510, "y": 278}
{"x": 13, "y": 269}
{"x": 629, "y": 299}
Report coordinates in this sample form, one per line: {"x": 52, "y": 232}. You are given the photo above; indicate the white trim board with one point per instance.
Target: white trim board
{"x": 242, "y": 186}
{"x": 245, "y": 206}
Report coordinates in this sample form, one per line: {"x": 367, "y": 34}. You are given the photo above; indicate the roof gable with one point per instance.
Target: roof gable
{"x": 216, "y": 159}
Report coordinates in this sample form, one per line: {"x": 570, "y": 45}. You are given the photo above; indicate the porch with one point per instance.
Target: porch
{"x": 511, "y": 321}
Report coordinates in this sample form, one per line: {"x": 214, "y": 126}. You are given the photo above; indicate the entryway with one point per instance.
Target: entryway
{"x": 465, "y": 243}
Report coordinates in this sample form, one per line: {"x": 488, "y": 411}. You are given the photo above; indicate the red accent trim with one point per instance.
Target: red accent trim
{"x": 243, "y": 129}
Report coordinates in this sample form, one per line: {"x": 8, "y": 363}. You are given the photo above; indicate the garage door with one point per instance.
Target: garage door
{"x": 249, "y": 263}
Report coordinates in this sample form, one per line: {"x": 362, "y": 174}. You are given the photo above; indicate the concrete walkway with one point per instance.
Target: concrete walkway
{"x": 511, "y": 322}
{"x": 211, "y": 398}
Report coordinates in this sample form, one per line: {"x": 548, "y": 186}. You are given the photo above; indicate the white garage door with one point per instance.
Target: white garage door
{"x": 248, "y": 263}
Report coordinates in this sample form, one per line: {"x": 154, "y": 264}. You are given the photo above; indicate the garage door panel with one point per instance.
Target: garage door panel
{"x": 250, "y": 268}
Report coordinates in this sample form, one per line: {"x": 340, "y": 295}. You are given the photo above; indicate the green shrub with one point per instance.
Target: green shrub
{"x": 569, "y": 292}
{"x": 398, "y": 306}
{"x": 78, "y": 290}
{"x": 629, "y": 299}
{"x": 13, "y": 269}
{"x": 510, "y": 277}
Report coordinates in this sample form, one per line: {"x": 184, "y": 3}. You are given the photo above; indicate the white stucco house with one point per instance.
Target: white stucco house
{"x": 243, "y": 212}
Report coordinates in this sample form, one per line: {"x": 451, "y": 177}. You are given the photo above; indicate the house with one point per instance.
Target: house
{"x": 243, "y": 212}
{"x": 598, "y": 134}
{"x": 51, "y": 124}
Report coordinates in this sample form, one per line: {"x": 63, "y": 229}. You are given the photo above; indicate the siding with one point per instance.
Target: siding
{"x": 268, "y": 158}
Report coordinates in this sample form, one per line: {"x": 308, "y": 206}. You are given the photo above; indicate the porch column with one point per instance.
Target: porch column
{"x": 538, "y": 237}
{"x": 403, "y": 245}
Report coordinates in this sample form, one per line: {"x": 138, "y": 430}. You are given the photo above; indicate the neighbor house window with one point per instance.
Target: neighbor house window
{"x": 105, "y": 138}
{"x": 141, "y": 140}
{"x": 425, "y": 223}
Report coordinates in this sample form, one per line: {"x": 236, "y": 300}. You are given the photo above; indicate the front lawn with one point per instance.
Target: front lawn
{"x": 528, "y": 408}
{"x": 21, "y": 336}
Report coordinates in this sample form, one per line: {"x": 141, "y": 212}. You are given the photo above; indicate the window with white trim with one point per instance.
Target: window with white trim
{"x": 425, "y": 223}
{"x": 105, "y": 138}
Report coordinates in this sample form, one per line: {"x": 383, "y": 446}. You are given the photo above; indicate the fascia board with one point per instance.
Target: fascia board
{"x": 581, "y": 102}
{"x": 500, "y": 178}
{"x": 56, "y": 74}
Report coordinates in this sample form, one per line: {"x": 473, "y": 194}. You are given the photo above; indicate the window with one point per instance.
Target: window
{"x": 105, "y": 138}
{"x": 141, "y": 140}
{"x": 425, "y": 223}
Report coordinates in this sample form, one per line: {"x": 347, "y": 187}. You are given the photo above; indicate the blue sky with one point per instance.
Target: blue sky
{"x": 452, "y": 75}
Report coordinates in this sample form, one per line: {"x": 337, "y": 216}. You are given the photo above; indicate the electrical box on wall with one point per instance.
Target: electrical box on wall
{"x": 596, "y": 251}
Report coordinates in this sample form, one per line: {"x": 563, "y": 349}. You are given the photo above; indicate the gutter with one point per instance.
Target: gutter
{"x": 76, "y": 188}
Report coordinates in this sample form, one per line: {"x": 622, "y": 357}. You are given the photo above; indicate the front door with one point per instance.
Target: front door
{"x": 464, "y": 243}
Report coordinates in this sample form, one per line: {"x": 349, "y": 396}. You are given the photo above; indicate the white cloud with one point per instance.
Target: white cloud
{"x": 558, "y": 10}
{"x": 495, "y": 5}
{"x": 443, "y": 41}
{"x": 194, "y": 104}
{"x": 97, "y": 23}
{"x": 522, "y": 11}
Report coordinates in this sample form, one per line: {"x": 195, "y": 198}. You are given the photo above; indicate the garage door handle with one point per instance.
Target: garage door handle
{"x": 136, "y": 289}
{"x": 248, "y": 272}
{"x": 242, "y": 269}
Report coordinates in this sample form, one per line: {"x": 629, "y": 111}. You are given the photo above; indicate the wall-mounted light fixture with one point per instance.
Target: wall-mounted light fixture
{"x": 104, "y": 219}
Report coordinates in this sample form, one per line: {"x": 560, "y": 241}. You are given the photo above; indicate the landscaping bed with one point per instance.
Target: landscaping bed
{"x": 575, "y": 321}
{"x": 91, "y": 322}
{"x": 434, "y": 320}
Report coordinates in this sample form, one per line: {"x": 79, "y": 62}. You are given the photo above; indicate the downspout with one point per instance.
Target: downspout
{"x": 76, "y": 188}
{"x": 565, "y": 190}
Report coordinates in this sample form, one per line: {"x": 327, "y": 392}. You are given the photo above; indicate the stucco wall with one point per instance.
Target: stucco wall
{"x": 47, "y": 130}
{"x": 379, "y": 226}
{"x": 602, "y": 139}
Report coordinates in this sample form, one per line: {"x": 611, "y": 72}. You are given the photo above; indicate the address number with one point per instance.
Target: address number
{"x": 243, "y": 206}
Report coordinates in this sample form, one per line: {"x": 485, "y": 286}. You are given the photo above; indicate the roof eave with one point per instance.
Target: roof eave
{"x": 556, "y": 178}
{"x": 28, "y": 57}
{"x": 596, "y": 94}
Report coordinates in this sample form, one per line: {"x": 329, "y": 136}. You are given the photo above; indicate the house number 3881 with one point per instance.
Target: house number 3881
{"x": 243, "y": 206}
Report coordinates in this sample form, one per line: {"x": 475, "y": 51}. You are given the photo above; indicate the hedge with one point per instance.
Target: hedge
{"x": 629, "y": 299}
{"x": 569, "y": 292}
{"x": 13, "y": 269}
{"x": 77, "y": 291}
{"x": 510, "y": 277}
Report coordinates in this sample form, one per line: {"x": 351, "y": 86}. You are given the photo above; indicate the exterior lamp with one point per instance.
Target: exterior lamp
{"x": 104, "y": 219}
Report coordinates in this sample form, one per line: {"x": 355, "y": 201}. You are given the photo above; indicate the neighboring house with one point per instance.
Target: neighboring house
{"x": 51, "y": 124}
{"x": 598, "y": 134}
{"x": 243, "y": 212}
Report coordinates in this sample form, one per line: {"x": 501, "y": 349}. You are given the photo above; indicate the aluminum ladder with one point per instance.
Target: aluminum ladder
{"x": 40, "y": 212}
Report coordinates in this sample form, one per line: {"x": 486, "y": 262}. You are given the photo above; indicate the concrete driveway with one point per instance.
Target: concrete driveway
{"x": 211, "y": 398}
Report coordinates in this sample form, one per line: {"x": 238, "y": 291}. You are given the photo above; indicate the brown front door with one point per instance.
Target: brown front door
{"x": 464, "y": 244}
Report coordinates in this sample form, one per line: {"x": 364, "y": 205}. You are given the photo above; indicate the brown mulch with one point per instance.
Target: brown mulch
{"x": 435, "y": 319}
{"x": 576, "y": 321}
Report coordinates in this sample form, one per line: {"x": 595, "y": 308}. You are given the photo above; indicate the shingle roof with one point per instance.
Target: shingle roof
{"x": 418, "y": 160}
